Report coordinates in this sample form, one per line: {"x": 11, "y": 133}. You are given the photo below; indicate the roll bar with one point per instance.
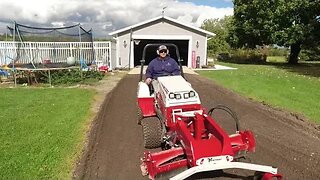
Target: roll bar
{"x": 142, "y": 61}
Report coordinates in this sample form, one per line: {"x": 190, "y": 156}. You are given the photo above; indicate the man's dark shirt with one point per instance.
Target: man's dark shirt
{"x": 162, "y": 67}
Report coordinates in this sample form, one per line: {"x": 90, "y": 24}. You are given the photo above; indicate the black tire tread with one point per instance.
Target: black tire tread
{"x": 152, "y": 132}
{"x": 139, "y": 115}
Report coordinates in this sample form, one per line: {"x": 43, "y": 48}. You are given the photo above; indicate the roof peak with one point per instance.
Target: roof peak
{"x": 161, "y": 17}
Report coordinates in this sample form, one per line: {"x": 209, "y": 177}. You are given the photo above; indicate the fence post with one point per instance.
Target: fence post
{"x": 70, "y": 47}
{"x": 31, "y": 53}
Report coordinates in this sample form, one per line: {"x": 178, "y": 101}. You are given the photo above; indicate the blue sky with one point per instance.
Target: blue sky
{"x": 212, "y": 3}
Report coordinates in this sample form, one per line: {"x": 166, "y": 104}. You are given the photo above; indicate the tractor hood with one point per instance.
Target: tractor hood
{"x": 177, "y": 91}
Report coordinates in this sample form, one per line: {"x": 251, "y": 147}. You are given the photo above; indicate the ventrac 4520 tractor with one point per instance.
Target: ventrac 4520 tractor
{"x": 174, "y": 120}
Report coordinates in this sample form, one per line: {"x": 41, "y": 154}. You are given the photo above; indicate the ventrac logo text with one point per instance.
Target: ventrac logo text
{"x": 213, "y": 160}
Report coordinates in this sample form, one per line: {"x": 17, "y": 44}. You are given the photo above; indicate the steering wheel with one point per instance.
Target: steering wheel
{"x": 165, "y": 74}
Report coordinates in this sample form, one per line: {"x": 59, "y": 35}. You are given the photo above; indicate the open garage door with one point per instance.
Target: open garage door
{"x": 151, "y": 52}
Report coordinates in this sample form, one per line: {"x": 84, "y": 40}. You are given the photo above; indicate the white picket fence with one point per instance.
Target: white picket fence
{"x": 55, "y": 52}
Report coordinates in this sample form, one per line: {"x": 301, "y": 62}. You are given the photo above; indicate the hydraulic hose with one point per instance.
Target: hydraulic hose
{"x": 229, "y": 111}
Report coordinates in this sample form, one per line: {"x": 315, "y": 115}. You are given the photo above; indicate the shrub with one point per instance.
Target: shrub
{"x": 70, "y": 76}
{"x": 310, "y": 54}
{"x": 244, "y": 56}
{"x": 223, "y": 57}
{"x": 278, "y": 52}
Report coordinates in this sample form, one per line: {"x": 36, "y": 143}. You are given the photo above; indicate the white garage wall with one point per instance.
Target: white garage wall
{"x": 160, "y": 29}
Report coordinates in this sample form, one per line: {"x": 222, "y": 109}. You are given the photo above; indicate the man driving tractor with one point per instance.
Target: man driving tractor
{"x": 163, "y": 65}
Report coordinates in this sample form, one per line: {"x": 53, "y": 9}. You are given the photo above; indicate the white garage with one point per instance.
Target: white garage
{"x": 130, "y": 41}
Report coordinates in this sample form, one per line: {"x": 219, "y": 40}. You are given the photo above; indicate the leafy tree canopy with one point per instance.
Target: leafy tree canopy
{"x": 220, "y": 27}
{"x": 293, "y": 23}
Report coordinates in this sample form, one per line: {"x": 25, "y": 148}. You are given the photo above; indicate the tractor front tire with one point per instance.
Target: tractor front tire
{"x": 152, "y": 132}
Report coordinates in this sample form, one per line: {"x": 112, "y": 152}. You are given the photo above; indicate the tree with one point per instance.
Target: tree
{"x": 297, "y": 22}
{"x": 291, "y": 23}
{"x": 252, "y": 23}
{"x": 4, "y": 37}
{"x": 218, "y": 43}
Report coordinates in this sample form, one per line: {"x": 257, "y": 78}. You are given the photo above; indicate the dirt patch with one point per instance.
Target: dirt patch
{"x": 104, "y": 87}
{"x": 115, "y": 141}
{"x": 103, "y": 91}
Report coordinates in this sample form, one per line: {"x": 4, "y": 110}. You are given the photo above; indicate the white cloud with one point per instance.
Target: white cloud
{"x": 211, "y": 12}
{"x": 103, "y": 16}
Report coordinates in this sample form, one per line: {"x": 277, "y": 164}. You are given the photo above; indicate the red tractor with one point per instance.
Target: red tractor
{"x": 174, "y": 120}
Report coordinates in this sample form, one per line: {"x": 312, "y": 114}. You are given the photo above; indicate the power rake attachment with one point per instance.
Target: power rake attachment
{"x": 201, "y": 145}
{"x": 174, "y": 120}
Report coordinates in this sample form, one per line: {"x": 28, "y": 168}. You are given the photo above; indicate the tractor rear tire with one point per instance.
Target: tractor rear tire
{"x": 139, "y": 115}
{"x": 152, "y": 132}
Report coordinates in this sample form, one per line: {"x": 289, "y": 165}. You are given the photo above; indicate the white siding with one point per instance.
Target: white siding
{"x": 165, "y": 29}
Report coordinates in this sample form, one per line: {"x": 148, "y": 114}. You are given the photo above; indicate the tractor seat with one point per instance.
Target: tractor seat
{"x": 144, "y": 90}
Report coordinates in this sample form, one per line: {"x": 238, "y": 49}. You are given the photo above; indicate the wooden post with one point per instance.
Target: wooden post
{"x": 14, "y": 77}
{"x": 49, "y": 77}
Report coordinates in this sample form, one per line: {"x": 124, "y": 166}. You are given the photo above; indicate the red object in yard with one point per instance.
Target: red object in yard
{"x": 193, "y": 58}
{"x": 103, "y": 68}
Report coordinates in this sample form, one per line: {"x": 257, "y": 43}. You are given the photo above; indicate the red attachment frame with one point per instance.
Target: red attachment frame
{"x": 200, "y": 137}
{"x": 269, "y": 176}
{"x": 158, "y": 162}
{"x": 244, "y": 140}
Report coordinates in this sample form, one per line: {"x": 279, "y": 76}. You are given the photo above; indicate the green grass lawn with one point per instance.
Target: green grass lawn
{"x": 294, "y": 88}
{"x": 42, "y": 131}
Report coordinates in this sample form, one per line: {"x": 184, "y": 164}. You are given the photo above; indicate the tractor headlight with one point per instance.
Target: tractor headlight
{"x": 186, "y": 95}
{"x": 171, "y": 95}
{"x": 178, "y": 96}
{"x": 192, "y": 94}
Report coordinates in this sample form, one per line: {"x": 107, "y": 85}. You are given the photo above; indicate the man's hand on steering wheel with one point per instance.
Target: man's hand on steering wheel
{"x": 148, "y": 81}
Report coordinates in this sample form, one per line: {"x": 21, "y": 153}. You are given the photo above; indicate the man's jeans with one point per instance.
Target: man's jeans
{"x": 155, "y": 84}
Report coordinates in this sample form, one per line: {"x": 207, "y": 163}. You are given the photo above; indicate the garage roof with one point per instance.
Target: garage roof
{"x": 157, "y": 18}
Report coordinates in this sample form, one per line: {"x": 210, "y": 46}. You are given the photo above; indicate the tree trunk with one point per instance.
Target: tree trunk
{"x": 294, "y": 53}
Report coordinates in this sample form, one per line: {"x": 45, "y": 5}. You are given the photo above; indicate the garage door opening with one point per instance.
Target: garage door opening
{"x": 151, "y": 52}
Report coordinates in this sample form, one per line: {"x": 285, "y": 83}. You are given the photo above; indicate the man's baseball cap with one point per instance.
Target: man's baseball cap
{"x": 162, "y": 47}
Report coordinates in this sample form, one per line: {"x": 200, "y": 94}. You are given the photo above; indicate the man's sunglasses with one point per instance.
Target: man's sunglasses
{"x": 163, "y": 51}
